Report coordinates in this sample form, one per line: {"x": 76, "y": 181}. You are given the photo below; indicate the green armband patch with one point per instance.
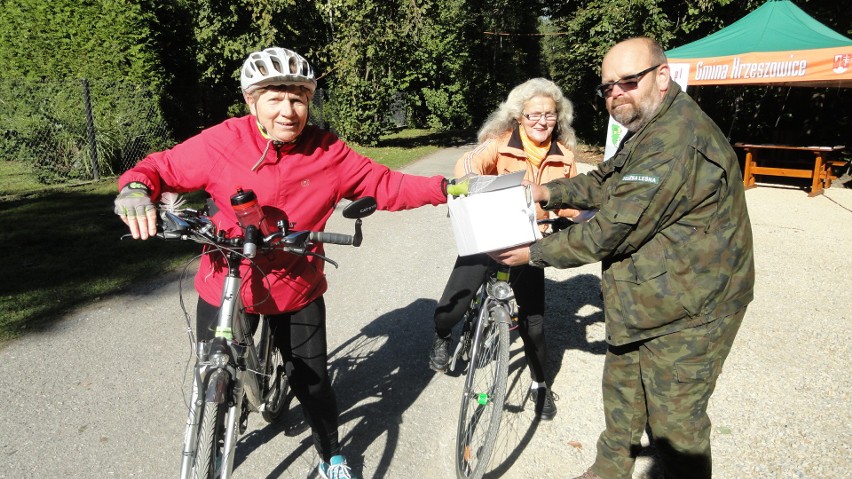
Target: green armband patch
{"x": 654, "y": 180}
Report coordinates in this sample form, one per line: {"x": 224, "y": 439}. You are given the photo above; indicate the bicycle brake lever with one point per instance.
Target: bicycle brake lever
{"x": 173, "y": 222}
{"x": 298, "y": 238}
{"x": 322, "y": 257}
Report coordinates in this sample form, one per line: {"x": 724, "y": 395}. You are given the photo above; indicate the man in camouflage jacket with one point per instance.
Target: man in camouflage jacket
{"x": 673, "y": 235}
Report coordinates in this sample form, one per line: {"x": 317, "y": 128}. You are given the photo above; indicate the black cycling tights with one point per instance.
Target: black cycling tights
{"x": 527, "y": 283}
{"x": 302, "y": 340}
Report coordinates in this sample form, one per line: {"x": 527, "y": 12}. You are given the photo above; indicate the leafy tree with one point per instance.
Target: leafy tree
{"x": 450, "y": 60}
{"x": 448, "y": 63}
{"x": 78, "y": 39}
{"x": 439, "y": 74}
{"x": 46, "y": 48}
{"x": 365, "y": 47}
{"x": 225, "y": 32}
{"x": 577, "y": 40}
{"x": 508, "y": 50}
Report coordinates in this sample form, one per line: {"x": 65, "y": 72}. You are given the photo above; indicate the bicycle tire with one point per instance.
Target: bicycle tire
{"x": 210, "y": 435}
{"x": 482, "y": 402}
{"x": 276, "y": 387}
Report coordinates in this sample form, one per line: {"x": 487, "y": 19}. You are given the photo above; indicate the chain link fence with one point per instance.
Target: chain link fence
{"x": 74, "y": 130}
{"x": 77, "y": 130}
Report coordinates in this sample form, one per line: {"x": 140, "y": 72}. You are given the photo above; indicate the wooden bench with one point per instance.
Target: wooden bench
{"x": 831, "y": 170}
{"x": 820, "y": 166}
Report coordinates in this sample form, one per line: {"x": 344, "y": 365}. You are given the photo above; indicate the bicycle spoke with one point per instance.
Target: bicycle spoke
{"x": 482, "y": 402}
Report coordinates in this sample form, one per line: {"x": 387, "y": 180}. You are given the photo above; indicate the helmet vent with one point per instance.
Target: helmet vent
{"x": 261, "y": 67}
{"x": 276, "y": 65}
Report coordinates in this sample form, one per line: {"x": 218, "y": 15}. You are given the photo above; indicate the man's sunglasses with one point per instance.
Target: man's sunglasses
{"x": 625, "y": 83}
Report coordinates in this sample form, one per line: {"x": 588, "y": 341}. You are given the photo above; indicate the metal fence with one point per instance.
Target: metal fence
{"x": 72, "y": 130}
{"x": 77, "y": 130}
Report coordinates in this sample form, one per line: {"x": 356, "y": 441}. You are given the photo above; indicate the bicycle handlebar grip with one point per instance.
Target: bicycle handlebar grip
{"x": 333, "y": 238}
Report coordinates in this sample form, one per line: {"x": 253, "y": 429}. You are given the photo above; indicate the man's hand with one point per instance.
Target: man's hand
{"x": 514, "y": 256}
{"x": 540, "y": 194}
{"x": 134, "y": 207}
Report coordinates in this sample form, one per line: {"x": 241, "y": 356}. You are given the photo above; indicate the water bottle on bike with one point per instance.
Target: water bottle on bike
{"x": 248, "y": 210}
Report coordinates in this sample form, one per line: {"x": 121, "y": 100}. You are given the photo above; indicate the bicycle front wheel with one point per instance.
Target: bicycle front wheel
{"x": 482, "y": 400}
{"x": 276, "y": 390}
{"x": 211, "y": 436}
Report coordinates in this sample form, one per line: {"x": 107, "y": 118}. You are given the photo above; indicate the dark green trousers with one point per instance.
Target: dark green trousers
{"x": 663, "y": 383}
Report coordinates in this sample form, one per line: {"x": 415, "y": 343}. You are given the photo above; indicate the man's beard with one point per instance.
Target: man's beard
{"x": 626, "y": 115}
{"x": 635, "y": 115}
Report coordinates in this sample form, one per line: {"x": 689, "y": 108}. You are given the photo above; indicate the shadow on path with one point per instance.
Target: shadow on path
{"x": 565, "y": 329}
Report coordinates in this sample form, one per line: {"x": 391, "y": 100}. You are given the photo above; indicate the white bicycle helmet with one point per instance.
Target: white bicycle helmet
{"x": 276, "y": 66}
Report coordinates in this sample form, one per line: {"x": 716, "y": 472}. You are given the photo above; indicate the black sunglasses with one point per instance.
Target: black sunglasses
{"x": 625, "y": 83}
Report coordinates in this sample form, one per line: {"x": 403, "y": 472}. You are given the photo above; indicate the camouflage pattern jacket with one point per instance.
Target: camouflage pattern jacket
{"x": 672, "y": 231}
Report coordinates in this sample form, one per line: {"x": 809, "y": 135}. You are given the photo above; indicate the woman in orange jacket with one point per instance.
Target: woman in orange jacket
{"x": 530, "y": 131}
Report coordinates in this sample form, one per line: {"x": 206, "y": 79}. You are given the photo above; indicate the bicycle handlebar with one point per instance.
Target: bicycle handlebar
{"x": 332, "y": 238}
{"x": 193, "y": 225}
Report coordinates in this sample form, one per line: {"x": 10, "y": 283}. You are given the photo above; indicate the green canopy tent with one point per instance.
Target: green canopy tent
{"x": 777, "y": 43}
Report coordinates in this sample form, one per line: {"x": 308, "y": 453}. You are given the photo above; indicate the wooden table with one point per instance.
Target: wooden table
{"x": 820, "y": 172}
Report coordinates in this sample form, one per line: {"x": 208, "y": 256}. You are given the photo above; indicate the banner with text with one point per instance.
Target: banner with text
{"x": 824, "y": 66}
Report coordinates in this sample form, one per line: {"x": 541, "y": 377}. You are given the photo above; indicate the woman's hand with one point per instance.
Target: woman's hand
{"x": 136, "y": 210}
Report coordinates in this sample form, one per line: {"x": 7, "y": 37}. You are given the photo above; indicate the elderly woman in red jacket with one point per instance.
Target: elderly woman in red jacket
{"x": 299, "y": 172}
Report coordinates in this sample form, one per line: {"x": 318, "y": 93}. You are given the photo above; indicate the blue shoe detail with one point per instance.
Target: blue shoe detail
{"x": 336, "y": 469}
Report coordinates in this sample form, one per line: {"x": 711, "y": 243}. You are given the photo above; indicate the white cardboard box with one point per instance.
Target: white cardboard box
{"x": 493, "y": 220}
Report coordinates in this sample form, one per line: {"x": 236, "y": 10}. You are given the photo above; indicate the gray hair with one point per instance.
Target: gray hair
{"x": 505, "y": 117}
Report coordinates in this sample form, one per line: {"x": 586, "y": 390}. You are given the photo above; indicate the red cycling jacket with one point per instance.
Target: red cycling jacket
{"x": 300, "y": 182}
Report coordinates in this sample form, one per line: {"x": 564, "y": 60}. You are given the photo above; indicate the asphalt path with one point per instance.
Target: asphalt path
{"x": 102, "y": 392}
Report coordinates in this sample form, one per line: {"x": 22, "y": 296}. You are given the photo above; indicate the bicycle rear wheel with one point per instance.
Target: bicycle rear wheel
{"x": 482, "y": 400}
{"x": 210, "y": 441}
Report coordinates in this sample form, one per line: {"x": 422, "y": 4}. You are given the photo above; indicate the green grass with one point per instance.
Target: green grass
{"x": 61, "y": 246}
{"x": 17, "y": 178}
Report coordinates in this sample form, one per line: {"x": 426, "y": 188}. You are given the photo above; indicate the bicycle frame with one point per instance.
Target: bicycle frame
{"x": 221, "y": 372}
{"x": 230, "y": 370}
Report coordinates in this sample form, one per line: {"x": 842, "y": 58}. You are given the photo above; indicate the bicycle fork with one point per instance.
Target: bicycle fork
{"x": 220, "y": 385}
{"x": 190, "y": 438}
{"x": 491, "y": 313}
{"x": 220, "y": 378}
{"x": 231, "y": 426}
